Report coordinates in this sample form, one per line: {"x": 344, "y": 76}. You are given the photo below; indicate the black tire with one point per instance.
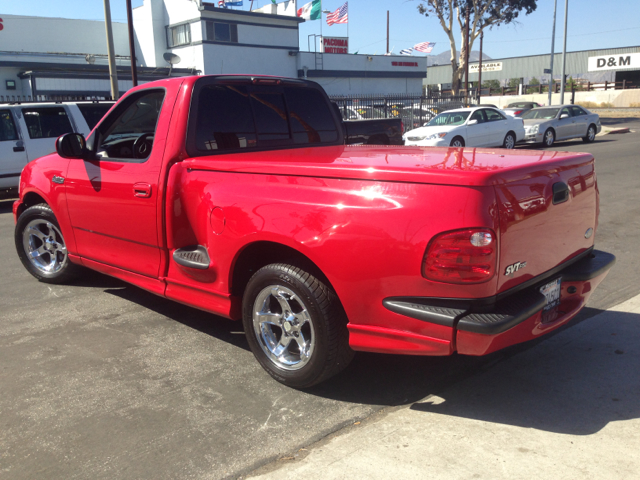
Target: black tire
{"x": 509, "y": 141}
{"x": 38, "y": 232}
{"x": 549, "y": 137}
{"x": 457, "y": 142}
{"x": 281, "y": 292}
{"x": 591, "y": 134}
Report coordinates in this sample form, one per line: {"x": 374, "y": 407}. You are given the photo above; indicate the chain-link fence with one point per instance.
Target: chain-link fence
{"x": 414, "y": 110}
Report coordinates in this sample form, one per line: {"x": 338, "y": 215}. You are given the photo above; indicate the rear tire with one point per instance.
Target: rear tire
{"x": 591, "y": 134}
{"x": 41, "y": 246}
{"x": 457, "y": 142}
{"x": 295, "y": 326}
{"x": 509, "y": 141}
{"x": 549, "y": 137}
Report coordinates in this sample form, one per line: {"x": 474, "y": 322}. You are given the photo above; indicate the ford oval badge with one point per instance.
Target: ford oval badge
{"x": 588, "y": 233}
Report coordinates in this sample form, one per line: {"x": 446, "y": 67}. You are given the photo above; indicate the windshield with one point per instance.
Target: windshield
{"x": 449, "y": 118}
{"x": 545, "y": 113}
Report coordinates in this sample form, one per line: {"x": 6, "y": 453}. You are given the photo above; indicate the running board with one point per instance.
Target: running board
{"x": 195, "y": 256}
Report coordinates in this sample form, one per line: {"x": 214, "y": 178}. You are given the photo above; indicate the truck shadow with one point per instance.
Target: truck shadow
{"x": 575, "y": 390}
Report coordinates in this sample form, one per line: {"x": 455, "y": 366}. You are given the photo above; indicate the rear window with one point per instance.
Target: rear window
{"x": 238, "y": 117}
{"x": 45, "y": 122}
{"x": 93, "y": 113}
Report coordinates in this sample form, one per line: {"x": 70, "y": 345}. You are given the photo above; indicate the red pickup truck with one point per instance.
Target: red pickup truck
{"x": 237, "y": 195}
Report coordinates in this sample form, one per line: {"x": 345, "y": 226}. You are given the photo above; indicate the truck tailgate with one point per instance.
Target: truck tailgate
{"x": 546, "y": 218}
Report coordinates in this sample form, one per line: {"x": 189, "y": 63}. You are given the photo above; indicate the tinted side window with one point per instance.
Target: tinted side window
{"x": 129, "y": 131}
{"x": 93, "y": 113}
{"x": 270, "y": 116}
{"x": 7, "y": 127}
{"x": 577, "y": 111}
{"x": 48, "y": 122}
{"x": 225, "y": 120}
{"x": 478, "y": 115}
{"x": 493, "y": 115}
{"x": 565, "y": 110}
{"x": 310, "y": 116}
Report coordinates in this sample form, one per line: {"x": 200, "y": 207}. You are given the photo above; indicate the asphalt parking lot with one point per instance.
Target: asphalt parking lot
{"x": 103, "y": 380}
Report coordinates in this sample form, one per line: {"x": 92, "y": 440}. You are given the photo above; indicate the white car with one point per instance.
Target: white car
{"x": 29, "y": 131}
{"x": 468, "y": 127}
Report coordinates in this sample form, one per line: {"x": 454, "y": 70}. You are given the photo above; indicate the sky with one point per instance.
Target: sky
{"x": 592, "y": 24}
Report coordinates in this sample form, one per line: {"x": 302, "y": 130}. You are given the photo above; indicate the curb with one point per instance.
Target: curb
{"x": 614, "y": 131}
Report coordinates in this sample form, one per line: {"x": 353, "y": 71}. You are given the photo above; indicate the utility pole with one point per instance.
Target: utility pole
{"x": 387, "y": 31}
{"x": 466, "y": 56}
{"x": 132, "y": 45}
{"x": 564, "y": 51}
{"x": 113, "y": 74}
{"x": 553, "y": 48}
{"x": 480, "y": 68}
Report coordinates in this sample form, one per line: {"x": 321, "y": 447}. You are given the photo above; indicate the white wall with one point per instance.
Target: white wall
{"x": 618, "y": 98}
{"x": 219, "y": 59}
{"x": 60, "y": 35}
{"x": 282, "y": 37}
{"x": 371, "y": 86}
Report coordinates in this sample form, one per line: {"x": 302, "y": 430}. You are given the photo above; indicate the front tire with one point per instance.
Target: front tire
{"x": 41, "y": 246}
{"x": 549, "y": 137}
{"x": 457, "y": 142}
{"x": 509, "y": 141}
{"x": 591, "y": 134}
{"x": 295, "y": 326}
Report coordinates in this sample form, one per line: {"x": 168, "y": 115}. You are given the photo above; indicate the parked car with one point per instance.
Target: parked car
{"x": 416, "y": 116}
{"x": 520, "y": 108}
{"x": 471, "y": 127}
{"x": 236, "y": 195}
{"x": 549, "y": 124}
{"x": 361, "y": 130}
{"x": 27, "y": 131}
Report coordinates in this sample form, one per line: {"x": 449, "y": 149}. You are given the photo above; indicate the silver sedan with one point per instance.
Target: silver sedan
{"x": 560, "y": 122}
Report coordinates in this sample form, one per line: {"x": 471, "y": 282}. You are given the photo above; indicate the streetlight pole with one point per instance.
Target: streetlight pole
{"x": 553, "y": 49}
{"x": 132, "y": 45}
{"x": 113, "y": 73}
{"x": 564, "y": 51}
{"x": 480, "y": 68}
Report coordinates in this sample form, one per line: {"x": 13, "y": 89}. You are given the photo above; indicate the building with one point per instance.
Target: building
{"x": 182, "y": 37}
{"x": 611, "y": 65}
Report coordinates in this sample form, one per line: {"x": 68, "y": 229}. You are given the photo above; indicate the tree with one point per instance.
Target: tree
{"x": 513, "y": 82}
{"x": 482, "y": 14}
{"x": 534, "y": 81}
{"x": 491, "y": 85}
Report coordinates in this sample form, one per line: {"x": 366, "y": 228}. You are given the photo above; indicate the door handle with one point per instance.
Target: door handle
{"x": 142, "y": 190}
{"x": 18, "y": 149}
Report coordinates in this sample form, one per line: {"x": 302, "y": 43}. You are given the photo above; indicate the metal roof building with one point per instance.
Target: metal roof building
{"x": 613, "y": 64}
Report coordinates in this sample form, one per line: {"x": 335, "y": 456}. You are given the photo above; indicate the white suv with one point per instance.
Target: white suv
{"x": 29, "y": 130}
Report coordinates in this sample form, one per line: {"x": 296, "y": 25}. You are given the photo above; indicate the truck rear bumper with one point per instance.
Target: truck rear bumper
{"x": 484, "y": 326}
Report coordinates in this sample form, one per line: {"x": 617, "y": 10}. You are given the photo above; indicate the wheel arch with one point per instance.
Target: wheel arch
{"x": 256, "y": 255}
{"x": 30, "y": 199}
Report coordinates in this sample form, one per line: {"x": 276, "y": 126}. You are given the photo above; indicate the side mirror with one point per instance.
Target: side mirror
{"x": 472, "y": 122}
{"x": 564, "y": 115}
{"x": 71, "y": 145}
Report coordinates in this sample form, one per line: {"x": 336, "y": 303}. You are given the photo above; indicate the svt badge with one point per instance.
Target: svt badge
{"x": 511, "y": 269}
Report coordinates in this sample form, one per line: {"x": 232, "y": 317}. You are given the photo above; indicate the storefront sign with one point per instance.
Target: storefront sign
{"x": 486, "y": 67}
{"x": 335, "y": 45}
{"x": 614, "y": 62}
{"x": 404, "y": 64}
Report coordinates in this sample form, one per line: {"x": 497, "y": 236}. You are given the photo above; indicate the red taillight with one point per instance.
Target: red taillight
{"x": 402, "y": 125}
{"x": 462, "y": 256}
{"x": 518, "y": 112}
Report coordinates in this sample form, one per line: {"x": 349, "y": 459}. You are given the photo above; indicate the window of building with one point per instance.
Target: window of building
{"x": 46, "y": 122}
{"x": 179, "y": 35}
{"x": 222, "y": 32}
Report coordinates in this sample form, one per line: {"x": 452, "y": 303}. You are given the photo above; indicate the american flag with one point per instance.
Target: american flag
{"x": 425, "y": 47}
{"x": 406, "y": 51}
{"x": 339, "y": 16}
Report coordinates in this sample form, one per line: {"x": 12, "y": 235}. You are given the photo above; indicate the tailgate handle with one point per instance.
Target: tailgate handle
{"x": 560, "y": 193}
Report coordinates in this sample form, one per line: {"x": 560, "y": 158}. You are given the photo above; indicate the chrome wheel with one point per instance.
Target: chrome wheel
{"x": 509, "y": 141}
{"x": 44, "y": 246}
{"x": 457, "y": 142}
{"x": 591, "y": 134}
{"x": 549, "y": 138}
{"x": 283, "y": 327}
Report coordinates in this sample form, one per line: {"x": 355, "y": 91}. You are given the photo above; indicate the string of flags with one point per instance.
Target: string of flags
{"x": 424, "y": 47}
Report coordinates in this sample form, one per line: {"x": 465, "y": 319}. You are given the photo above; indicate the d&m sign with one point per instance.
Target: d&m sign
{"x": 614, "y": 62}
